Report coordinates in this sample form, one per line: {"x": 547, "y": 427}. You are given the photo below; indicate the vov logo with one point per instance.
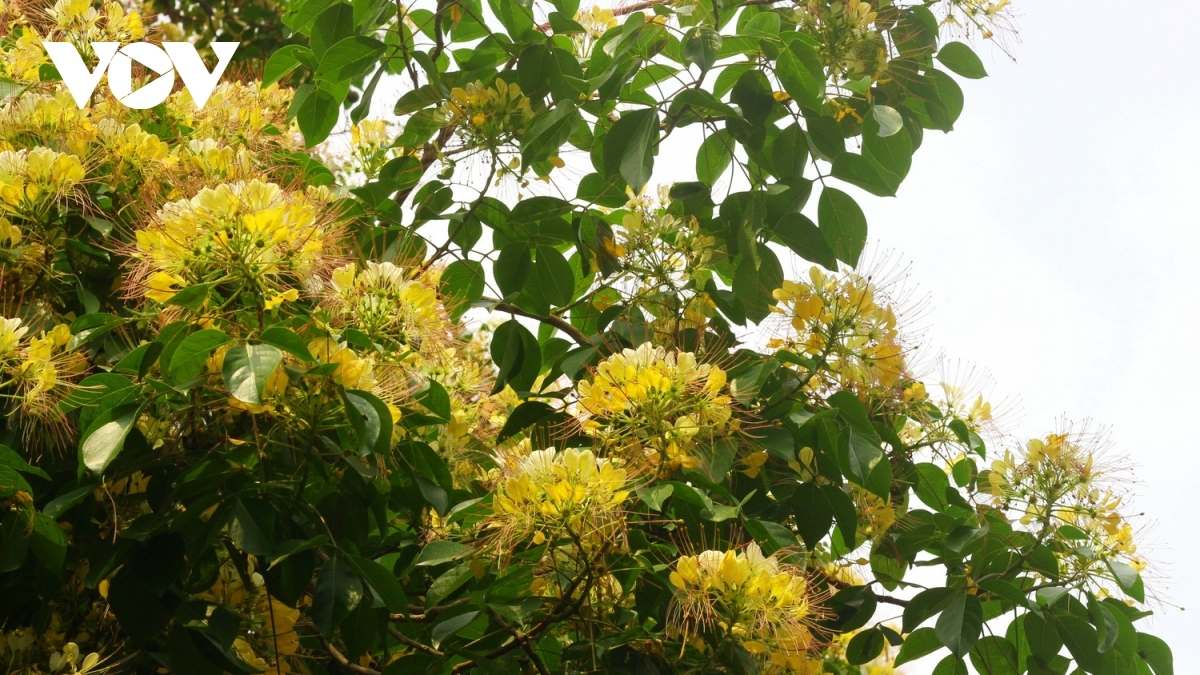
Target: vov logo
{"x": 172, "y": 57}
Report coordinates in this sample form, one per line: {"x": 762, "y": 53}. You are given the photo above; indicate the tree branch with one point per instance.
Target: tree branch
{"x": 415, "y": 644}
{"x": 345, "y": 662}
{"x": 565, "y": 326}
{"x": 524, "y": 640}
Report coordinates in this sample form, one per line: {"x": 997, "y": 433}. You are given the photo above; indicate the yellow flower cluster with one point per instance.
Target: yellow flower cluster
{"x": 269, "y": 636}
{"x": 663, "y": 260}
{"x": 489, "y": 116}
{"x": 840, "y": 324}
{"x": 653, "y": 407}
{"x": 353, "y": 371}
{"x": 848, "y": 40}
{"x": 38, "y": 372}
{"x": 214, "y": 159}
{"x": 132, "y": 147}
{"x": 765, "y": 605}
{"x": 595, "y": 22}
{"x": 543, "y": 495}
{"x": 32, "y": 180}
{"x": 1061, "y": 489}
{"x": 238, "y": 113}
{"x": 390, "y": 304}
{"x": 253, "y": 236}
{"x": 80, "y": 19}
{"x": 45, "y": 117}
{"x": 77, "y": 21}
{"x": 370, "y": 148}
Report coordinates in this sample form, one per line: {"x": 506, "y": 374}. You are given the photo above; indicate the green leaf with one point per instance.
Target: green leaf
{"x": 858, "y": 456}
{"x": 962, "y": 60}
{"x": 516, "y": 353}
{"x": 189, "y": 358}
{"x": 283, "y": 61}
{"x": 447, "y": 627}
{"x": 12, "y": 482}
{"x": 192, "y": 297}
{"x": 16, "y": 541}
{"x": 814, "y": 514}
{"x": 286, "y": 340}
{"x": 951, "y": 665}
{"x": 865, "y": 646}
{"x": 385, "y": 585}
{"x": 789, "y": 154}
{"x": 60, "y": 504}
{"x": 441, "y": 551}
{"x": 331, "y": 27}
{"x": 372, "y": 421}
{"x": 701, "y": 47}
{"x": 10, "y": 458}
{"x": 921, "y": 642}
{"x": 462, "y": 284}
{"x": 654, "y": 497}
{"x": 764, "y": 25}
{"x": 48, "y": 542}
{"x": 103, "y": 441}
{"x": 97, "y": 394}
{"x": 1128, "y": 579}
{"x": 316, "y": 111}
{"x": 338, "y": 591}
{"x": 436, "y": 400}
{"x": 629, "y": 147}
{"x": 246, "y": 532}
{"x": 714, "y": 156}
{"x": 805, "y": 239}
{"x": 1156, "y": 654}
{"x": 1043, "y": 639}
{"x": 350, "y": 58}
{"x": 931, "y": 486}
{"x": 801, "y": 74}
{"x": 513, "y": 267}
{"x": 553, "y": 276}
{"x": 1080, "y": 639}
{"x": 924, "y": 605}
{"x": 10, "y": 88}
{"x": 524, "y": 416}
{"x": 548, "y": 132}
{"x": 247, "y": 368}
{"x": 752, "y": 93}
{"x": 995, "y": 655}
{"x": 888, "y": 119}
{"x": 960, "y": 623}
{"x": 843, "y": 224}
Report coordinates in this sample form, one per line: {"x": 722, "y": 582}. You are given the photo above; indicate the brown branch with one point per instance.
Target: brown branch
{"x": 565, "y": 326}
{"x": 345, "y": 662}
{"x": 415, "y": 644}
{"x": 565, "y": 607}
{"x": 428, "y": 155}
{"x": 426, "y": 614}
{"x": 524, "y": 640}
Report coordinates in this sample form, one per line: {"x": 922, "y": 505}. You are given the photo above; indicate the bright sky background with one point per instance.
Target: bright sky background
{"x": 1055, "y": 234}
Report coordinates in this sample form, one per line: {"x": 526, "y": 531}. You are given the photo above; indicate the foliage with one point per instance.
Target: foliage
{"x": 466, "y": 396}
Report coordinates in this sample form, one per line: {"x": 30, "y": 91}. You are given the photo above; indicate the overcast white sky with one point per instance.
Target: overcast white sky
{"x": 1055, "y": 232}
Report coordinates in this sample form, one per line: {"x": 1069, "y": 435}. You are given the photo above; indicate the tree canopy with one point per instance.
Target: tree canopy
{"x": 289, "y": 388}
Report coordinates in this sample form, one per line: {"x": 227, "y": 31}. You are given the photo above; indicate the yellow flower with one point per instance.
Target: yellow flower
{"x": 542, "y": 495}
{"x": 654, "y": 406}
{"x": 289, "y": 295}
{"x": 162, "y": 286}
